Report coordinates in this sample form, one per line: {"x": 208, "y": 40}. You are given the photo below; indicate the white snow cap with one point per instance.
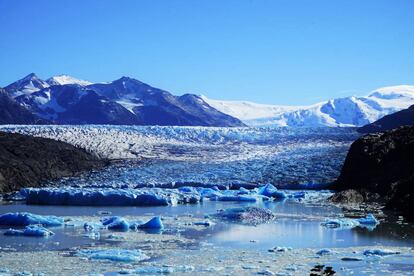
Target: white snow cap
{"x": 65, "y": 79}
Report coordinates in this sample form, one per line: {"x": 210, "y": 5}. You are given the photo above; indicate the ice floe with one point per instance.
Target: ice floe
{"x": 154, "y": 223}
{"x": 30, "y": 231}
{"x": 379, "y": 252}
{"x": 24, "y": 219}
{"x": 116, "y": 255}
{"x": 369, "y": 222}
{"x": 249, "y": 215}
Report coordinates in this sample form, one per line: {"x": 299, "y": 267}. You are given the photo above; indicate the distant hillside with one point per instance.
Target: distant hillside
{"x": 401, "y": 118}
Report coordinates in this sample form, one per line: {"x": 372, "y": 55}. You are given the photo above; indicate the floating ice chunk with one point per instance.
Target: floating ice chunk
{"x": 209, "y": 192}
{"x": 187, "y": 189}
{"x": 379, "y": 252}
{"x": 250, "y": 215}
{"x": 154, "y": 223}
{"x": 344, "y": 223}
{"x": 243, "y": 198}
{"x": 153, "y": 270}
{"x": 24, "y": 219}
{"x": 265, "y": 272}
{"x": 280, "y": 249}
{"x": 116, "y": 223}
{"x": 116, "y": 255}
{"x": 99, "y": 197}
{"x": 271, "y": 191}
{"x": 323, "y": 251}
{"x": 30, "y": 231}
{"x": 243, "y": 191}
{"x": 299, "y": 195}
{"x": 205, "y": 223}
{"x": 351, "y": 259}
{"x": 368, "y": 220}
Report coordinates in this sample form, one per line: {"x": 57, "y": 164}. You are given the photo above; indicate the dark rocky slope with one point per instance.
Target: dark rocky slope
{"x": 380, "y": 166}
{"x": 12, "y": 112}
{"x": 27, "y": 161}
{"x": 401, "y": 118}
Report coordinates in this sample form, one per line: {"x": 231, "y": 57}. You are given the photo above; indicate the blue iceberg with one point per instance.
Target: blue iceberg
{"x": 24, "y": 219}
{"x": 379, "y": 252}
{"x": 154, "y": 223}
{"x": 368, "y": 220}
{"x": 271, "y": 191}
{"x": 116, "y": 223}
{"x": 99, "y": 197}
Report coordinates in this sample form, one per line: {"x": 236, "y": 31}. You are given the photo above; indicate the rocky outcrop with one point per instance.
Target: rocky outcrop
{"x": 12, "y": 112}
{"x": 401, "y": 118}
{"x": 27, "y": 161}
{"x": 381, "y": 164}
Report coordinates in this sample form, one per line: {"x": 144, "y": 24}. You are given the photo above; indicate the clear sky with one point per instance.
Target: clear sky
{"x": 267, "y": 51}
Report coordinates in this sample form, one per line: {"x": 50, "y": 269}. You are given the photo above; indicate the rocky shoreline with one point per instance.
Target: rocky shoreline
{"x": 379, "y": 167}
{"x": 27, "y": 161}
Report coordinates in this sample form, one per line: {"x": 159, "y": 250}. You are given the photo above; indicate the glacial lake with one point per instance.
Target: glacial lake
{"x": 180, "y": 156}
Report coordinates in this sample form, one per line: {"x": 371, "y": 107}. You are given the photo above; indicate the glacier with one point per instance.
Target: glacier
{"x": 224, "y": 157}
{"x": 350, "y": 111}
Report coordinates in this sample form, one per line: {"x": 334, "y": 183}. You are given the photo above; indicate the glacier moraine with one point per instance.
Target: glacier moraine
{"x": 199, "y": 201}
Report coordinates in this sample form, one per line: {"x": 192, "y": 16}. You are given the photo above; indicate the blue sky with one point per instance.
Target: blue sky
{"x": 268, "y": 51}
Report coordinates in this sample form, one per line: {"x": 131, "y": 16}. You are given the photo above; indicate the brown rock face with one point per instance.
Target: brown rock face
{"x": 382, "y": 163}
{"x": 27, "y": 161}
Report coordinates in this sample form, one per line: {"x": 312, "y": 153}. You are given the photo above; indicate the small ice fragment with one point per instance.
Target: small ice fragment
{"x": 154, "y": 223}
{"x": 265, "y": 272}
{"x": 24, "y": 219}
{"x": 205, "y": 223}
{"x": 30, "y": 231}
{"x": 323, "y": 251}
{"x": 341, "y": 223}
{"x": 280, "y": 249}
{"x": 116, "y": 255}
{"x": 351, "y": 259}
{"x": 368, "y": 220}
{"x": 379, "y": 252}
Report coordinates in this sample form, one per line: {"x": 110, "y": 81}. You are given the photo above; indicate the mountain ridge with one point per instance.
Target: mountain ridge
{"x": 125, "y": 101}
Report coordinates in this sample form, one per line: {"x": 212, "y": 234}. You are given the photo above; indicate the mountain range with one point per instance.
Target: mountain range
{"x": 340, "y": 112}
{"x": 127, "y": 101}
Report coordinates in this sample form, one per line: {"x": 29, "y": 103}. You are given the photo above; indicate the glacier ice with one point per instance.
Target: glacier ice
{"x": 271, "y": 191}
{"x": 24, "y": 219}
{"x": 379, "y": 252}
{"x": 154, "y": 223}
{"x": 116, "y": 223}
{"x": 368, "y": 220}
{"x": 98, "y": 197}
{"x": 116, "y": 255}
{"x": 30, "y": 231}
{"x": 249, "y": 215}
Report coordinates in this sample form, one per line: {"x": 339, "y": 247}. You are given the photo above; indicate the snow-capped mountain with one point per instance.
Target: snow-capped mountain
{"x": 348, "y": 111}
{"x": 25, "y": 86}
{"x": 67, "y": 100}
{"x": 65, "y": 79}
